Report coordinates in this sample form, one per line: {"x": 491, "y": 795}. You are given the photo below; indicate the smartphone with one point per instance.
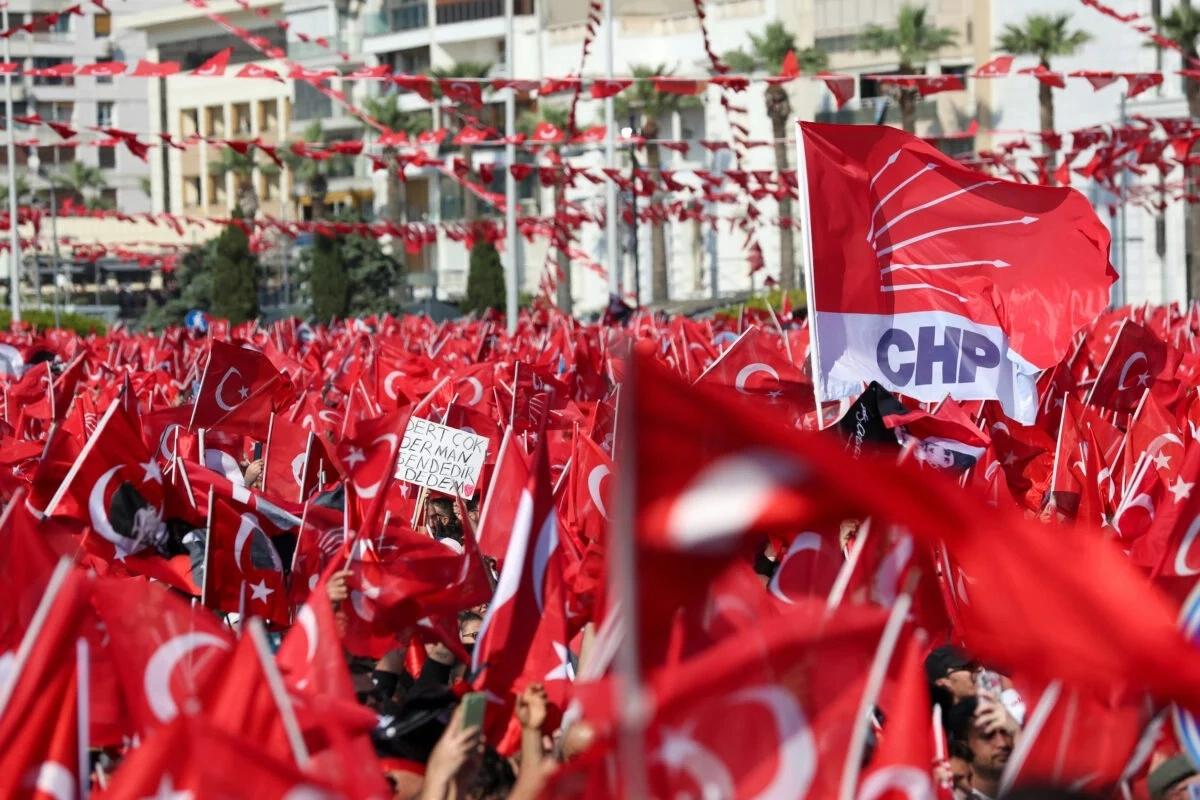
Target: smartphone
{"x": 257, "y": 451}
{"x": 474, "y": 706}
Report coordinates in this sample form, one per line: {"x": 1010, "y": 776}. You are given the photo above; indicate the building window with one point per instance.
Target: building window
{"x": 51, "y": 80}
{"x": 242, "y": 125}
{"x": 311, "y": 103}
{"x": 191, "y": 192}
{"x": 104, "y": 114}
{"x": 216, "y": 190}
{"x": 214, "y": 122}
{"x": 268, "y": 116}
{"x": 62, "y": 112}
{"x": 102, "y": 25}
{"x": 189, "y": 122}
{"x": 270, "y": 187}
{"x": 109, "y": 197}
{"x": 108, "y": 157}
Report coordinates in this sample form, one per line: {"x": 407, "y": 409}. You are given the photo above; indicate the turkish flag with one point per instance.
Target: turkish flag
{"x": 28, "y": 564}
{"x": 285, "y": 460}
{"x": 842, "y": 87}
{"x": 105, "y": 68}
{"x": 996, "y": 68}
{"x": 1136, "y": 361}
{"x": 462, "y": 91}
{"x": 900, "y": 767}
{"x": 603, "y": 88}
{"x": 181, "y": 760}
{"x": 166, "y": 654}
{"x": 758, "y": 369}
{"x": 212, "y": 68}
{"x": 39, "y": 720}
{"x": 547, "y": 133}
{"x": 238, "y": 391}
{"x": 243, "y": 573}
{"x": 936, "y": 280}
{"x": 809, "y": 567}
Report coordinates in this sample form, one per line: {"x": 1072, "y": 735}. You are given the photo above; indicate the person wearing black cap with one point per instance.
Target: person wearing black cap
{"x": 1173, "y": 779}
{"x": 951, "y": 674}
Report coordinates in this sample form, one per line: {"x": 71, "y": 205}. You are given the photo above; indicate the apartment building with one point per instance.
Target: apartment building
{"x": 60, "y": 38}
{"x": 186, "y": 181}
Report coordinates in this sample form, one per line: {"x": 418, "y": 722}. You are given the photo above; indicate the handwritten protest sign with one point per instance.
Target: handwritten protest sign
{"x": 440, "y": 458}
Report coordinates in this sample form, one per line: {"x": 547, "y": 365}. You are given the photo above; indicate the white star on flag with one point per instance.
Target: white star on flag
{"x": 1161, "y": 461}
{"x": 1181, "y": 489}
{"x": 153, "y": 473}
{"x": 244, "y": 392}
{"x": 355, "y": 456}
{"x": 259, "y": 591}
{"x": 564, "y": 671}
{"x": 166, "y": 791}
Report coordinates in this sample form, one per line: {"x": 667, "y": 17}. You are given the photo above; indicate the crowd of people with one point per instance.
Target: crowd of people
{"x": 785, "y": 601}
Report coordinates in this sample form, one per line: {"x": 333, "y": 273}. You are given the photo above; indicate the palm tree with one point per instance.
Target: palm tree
{"x": 469, "y": 70}
{"x": 84, "y": 182}
{"x": 242, "y": 166}
{"x": 559, "y": 117}
{"x": 767, "y": 52}
{"x": 654, "y": 106}
{"x": 1044, "y": 36}
{"x": 22, "y": 190}
{"x": 386, "y": 111}
{"x": 312, "y": 173}
{"x": 1182, "y": 26}
{"x": 915, "y": 41}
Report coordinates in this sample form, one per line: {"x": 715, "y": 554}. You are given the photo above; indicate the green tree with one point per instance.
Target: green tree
{"x": 1182, "y": 26}
{"x": 188, "y": 288}
{"x": 375, "y": 276}
{"x": 235, "y": 273}
{"x": 655, "y": 108}
{"x": 22, "y": 189}
{"x": 242, "y": 165}
{"x": 387, "y": 112}
{"x": 559, "y": 117}
{"x": 469, "y": 70}
{"x": 767, "y": 52}
{"x": 915, "y": 41}
{"x": 85, "y": 182}
{"x": 485, "y": 279}
{"x": 328, "y": 280}
{"x": 1044, "y": 36}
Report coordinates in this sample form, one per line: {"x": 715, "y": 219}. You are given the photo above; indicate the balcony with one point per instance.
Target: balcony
{"x": 309, "y": 51}
{"x": 863, "y": 111}
{"x": 406, "y": 15}
{"x": 449, "y": 13}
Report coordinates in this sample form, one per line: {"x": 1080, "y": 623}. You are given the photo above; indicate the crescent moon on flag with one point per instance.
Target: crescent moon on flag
{"x": 389, "y": 384}
{"x": 156, "y": 683}
{"x": 797, "y": 748}
{"x": 1160, "y": 441}
{"x": 370, "y": 491}
{"x": 478, "y": 387}
{"x": 909, "y": 781}
{"x": 308, "y": 621}
{"x": 162, "y": 441}
{"x": 747, "y": 371}
{"x": 298, "y": 469}
{"x": 1181, "y": 566}
{"x": 805, "y": 541}
{"x": 245, "y": 531}
{"x": 98, "y": 513}
{"x": 1129, "y": 362}
{"x": 679, "y": 752}
{"x": 727, "y": 497}
{"x": 594, "y": 478}
{"x": 887, "y": 577}
{"x": 53, "y": 779}
{"x": 221, "y": 389}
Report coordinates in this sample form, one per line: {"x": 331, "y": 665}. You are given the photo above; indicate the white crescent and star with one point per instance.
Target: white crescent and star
{"x": 804, "y": 542}
{"x": 477, "y": 387}
{"x": 98, "y": 511}
{"x": 220, "y": 393}
{"x": 53, "y": 779}
{"x": 797, "y": 748}
{"x": 245, "y": 530}
{"x": 389, "y": 384}
{"x": 750, "y": 369}
{"x": 298, "y": 464}
{"x": 1129, "y": 362}
{"x": 368, "y": 492}
{"x": 307, "y": 620}
{"x": 156, "y": 682}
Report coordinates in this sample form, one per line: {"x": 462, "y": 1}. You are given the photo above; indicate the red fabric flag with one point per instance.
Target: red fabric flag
{"x": 950, "y": 281}
{"x": 499, "y": 516}
{"x": 996, "y": 68}
{"x": 459, "y": 91}
{"x": 758, "y": 370}
{"x": 28, "y": 564}
{"x": 1136, "y": 361}
{"x": 212, "y": 68}
{"x": 842, "y": 87}
{"x": 609, "y": 88}
{"x": 243, "y": 573}
{"x": 238, "y": 391}
{"x": 165, "y": 654}
{"x": 39, "y": 711}
{"x": 900, "y": 767}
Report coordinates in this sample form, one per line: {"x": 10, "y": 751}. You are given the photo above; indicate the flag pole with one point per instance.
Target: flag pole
{"x": 814, "y": 351}
{"x": 629, "y": 696}
{"x": 610, "y": 158}
{"x": 61, "y": 572}
{"x": 511, "y": 242}
{"x": 286, "y": 714}
{"x": 82, "y": 706}
{"x": 14, "y": 235}
{"x": 883, "y": 656}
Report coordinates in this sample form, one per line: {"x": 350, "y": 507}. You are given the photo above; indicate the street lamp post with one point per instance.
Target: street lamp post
{"x": 634, "y": 131}
{"x": 14, "y": 235}
{"x": 35, "y": 164}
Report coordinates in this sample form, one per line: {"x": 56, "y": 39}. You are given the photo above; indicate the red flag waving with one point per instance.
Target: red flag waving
{"x": 936, "y": 280}
{"x": 242, "y": 571}
{"x": 238, "y": 392}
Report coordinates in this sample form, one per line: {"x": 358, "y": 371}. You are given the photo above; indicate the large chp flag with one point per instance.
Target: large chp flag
{"x": 937, "y": 280}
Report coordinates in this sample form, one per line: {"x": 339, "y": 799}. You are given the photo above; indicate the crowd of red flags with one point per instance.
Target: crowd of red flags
{"x": 1061, "y": 556}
